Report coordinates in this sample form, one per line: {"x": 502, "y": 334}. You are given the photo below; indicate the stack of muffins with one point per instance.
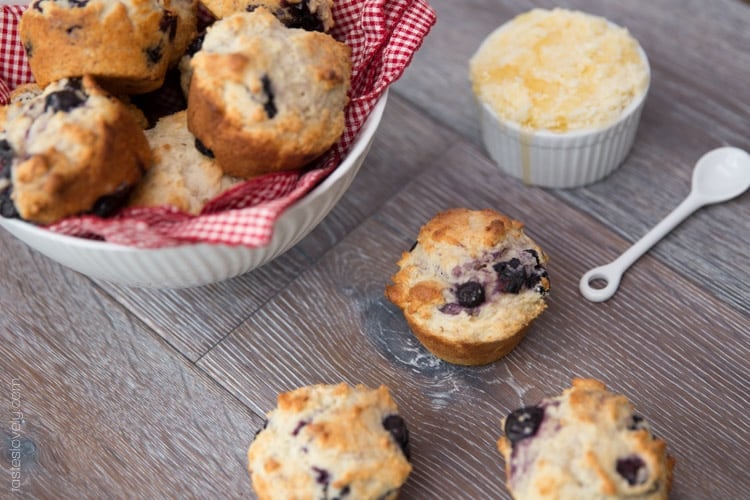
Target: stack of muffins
{"x": 266, "y": 91}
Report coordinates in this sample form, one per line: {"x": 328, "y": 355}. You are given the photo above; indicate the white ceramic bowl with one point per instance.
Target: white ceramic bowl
{"x": 560, "y": 159}
{"x": 199, "y": 264}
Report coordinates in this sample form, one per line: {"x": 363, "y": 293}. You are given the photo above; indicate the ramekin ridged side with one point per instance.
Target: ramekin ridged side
{"x": 559, "y": 160}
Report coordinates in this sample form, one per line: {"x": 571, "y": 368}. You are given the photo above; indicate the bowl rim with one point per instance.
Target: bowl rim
{"x": 358, "y": 147}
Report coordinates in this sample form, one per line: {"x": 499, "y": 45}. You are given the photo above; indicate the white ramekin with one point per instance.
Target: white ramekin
{"x": 561, "y": 159}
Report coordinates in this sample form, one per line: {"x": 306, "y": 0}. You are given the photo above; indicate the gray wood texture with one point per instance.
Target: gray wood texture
{"x": 107, "y": 409}
{"x": 134, "y": 393}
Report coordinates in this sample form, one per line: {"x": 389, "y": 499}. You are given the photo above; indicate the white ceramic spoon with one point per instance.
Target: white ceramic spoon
{"x": 720, "y": 175}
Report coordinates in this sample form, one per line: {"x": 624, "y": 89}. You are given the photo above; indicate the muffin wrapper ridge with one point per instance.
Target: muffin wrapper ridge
{"x": 383, "y": 36}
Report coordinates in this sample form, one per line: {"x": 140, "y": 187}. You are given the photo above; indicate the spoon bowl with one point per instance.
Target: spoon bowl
{"x": 722, "y": 174}
{"x": 719, "y": 175}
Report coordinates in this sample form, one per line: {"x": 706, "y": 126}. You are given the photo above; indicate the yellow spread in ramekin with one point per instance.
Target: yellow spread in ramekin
{"x": 559, "y": 70}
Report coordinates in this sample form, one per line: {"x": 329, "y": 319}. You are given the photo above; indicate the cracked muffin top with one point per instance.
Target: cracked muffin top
{"x": 312, "y": 15}
{"x": 331, "y": 441}
{"x": 587, "y": 443}
{"x": 127, "y": 45}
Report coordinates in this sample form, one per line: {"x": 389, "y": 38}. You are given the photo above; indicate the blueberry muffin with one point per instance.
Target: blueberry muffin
{"x": 587, "y": 443}
{"x": 312, "y": 15}
{"x": 471, "y": 285}
{"x": 73, "y": 149}
{"x": 264, "y": 97}
{"x": 127, "y": 45}
{"x": 331, "y": 441}
{"x": 184, "y": 174}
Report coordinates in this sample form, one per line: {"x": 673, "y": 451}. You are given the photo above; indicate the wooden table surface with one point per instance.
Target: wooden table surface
{"x": 144, "y": 393}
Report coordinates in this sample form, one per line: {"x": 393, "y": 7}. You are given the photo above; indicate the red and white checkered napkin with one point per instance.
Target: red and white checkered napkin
{"x": 383, "y": 36}
{"x": 14, "y": 68}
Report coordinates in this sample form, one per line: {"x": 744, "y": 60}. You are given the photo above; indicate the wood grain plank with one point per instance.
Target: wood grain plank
{"x": 698, "y": 100}
{"x": 676, "y": 351}
{"x": 193, "y": 320}
{"x": 97, "y": 406}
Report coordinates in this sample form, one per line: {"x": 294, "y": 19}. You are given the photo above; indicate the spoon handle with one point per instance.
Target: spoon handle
{"x": 612, "y": 273}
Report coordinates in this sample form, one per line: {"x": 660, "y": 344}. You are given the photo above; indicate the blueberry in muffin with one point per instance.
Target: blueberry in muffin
{"x": 7, "y": 208}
